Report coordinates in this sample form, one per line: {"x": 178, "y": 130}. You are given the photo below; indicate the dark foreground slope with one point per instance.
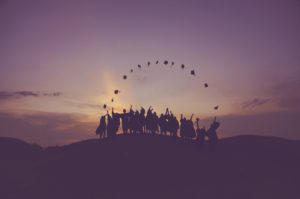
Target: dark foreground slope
{"x": 154, "y": 167}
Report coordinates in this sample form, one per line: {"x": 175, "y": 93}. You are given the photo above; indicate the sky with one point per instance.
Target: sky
{"x": 61, "y": 60}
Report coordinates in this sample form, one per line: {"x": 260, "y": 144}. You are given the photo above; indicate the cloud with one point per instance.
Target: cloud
{"x": 89, "y": 105}
{"x": 287, "y": 93}
{"x": 255, "y": 102}
{"x": 47, "y": 129}
{"x": 22, "y": 94}
{"x": 280, "y": 124}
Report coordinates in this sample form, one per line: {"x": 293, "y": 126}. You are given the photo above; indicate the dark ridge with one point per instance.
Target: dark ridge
{"x": 12, "y": 148}
{"x": 148, "y": 166}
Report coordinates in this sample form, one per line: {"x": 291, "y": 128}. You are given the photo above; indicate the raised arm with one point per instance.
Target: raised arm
{"x": 192, "y": 116}
{"x": 167, "y": 111}
{"x": 197, "y": 123}
{"x": 130, "y": 110}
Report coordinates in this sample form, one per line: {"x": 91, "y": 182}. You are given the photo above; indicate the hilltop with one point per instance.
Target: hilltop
{"x": 147, "y": 166}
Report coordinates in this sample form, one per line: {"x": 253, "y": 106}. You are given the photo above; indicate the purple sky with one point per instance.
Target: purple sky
{"x": 69, "y": 56}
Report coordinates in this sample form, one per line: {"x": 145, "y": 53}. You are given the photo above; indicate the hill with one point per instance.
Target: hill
{"x": 145, "y": 166}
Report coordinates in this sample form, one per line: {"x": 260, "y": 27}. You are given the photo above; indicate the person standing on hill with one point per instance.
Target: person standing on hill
{"x": 101, "y": 130}
{"x": 200, "y": 133}
{"x": 125, "y": 121}
{"x": 212, "y": 131}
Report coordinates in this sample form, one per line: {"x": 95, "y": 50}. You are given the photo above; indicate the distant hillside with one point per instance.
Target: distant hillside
{"x": 145, "y": 166}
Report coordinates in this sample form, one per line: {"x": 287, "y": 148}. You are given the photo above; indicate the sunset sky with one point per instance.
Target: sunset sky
{"x": 61, "y": 60}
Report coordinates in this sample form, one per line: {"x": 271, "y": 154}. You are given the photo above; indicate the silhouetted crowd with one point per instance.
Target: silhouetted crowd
{"x": 138, "y": 122}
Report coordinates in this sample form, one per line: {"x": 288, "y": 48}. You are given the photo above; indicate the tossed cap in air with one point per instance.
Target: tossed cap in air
{"x": 124, "y": 76}
{"x": 112, "y": 99}
{"x": 104, "y": 106}
{"x": 205, "y": 85}
{"x": 156, "y": 62}
{"x": 139, "y": 66}
{"x": 172, "y": 64}
{"x": 117, "y": 92}
{"x": 131, "y": 70}
{"x": 166, "y": 62}
{"x": 182, "y": 66}
{"x": 148, "y": 63}
{"x": 193, "y": 72}
{"x": 216, "y": 107}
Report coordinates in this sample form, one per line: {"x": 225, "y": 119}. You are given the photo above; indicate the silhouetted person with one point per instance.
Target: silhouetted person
{"x": 116, "y": 123}
{"x": 187, "y": 129}
{"x": 113, "y": 123}
{"x": 190, "y": 128}
{"x": 109, "y": 125}
{"x": 131, "y": 120}
{"x": 173, "y": 125}
{"x": 150, "y": 121}
{"x": 162, "y": 124}
{"x": 125, "y": 121}
{"x": 182, "y": 126}
{"x": 135, "y": 121}
{"x": 142, "y": 121}
{"x": 101, "y": 130}
{"x": 211, "y": 132}
{"x": 200, "y": 133}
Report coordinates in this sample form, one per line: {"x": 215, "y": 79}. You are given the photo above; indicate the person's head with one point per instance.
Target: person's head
{"x": 124, "y": 110}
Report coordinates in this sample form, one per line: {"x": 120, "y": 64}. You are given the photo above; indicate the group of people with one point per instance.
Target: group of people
{"x": 148, "y": 122}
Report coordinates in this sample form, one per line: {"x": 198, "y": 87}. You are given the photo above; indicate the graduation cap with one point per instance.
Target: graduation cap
{"x": 124, "y": 76}
{"x": 104, "y": 106}
{"x": 156, "y": 62}
{"x": 112, "y": 99}
{"x": 182, "y": 66}
{"x": 172, "y": 64}
{"x": 205, "y": 85}
{"x": 166, "y": 62}
{"x": 131, "y": 70}
{"x": 148, "y": 63}
{"x": 139, "y": 66}
{"x": 116, "y": 92}
{"x": 216, "y": 107}
{"x": 193, "y": 72}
